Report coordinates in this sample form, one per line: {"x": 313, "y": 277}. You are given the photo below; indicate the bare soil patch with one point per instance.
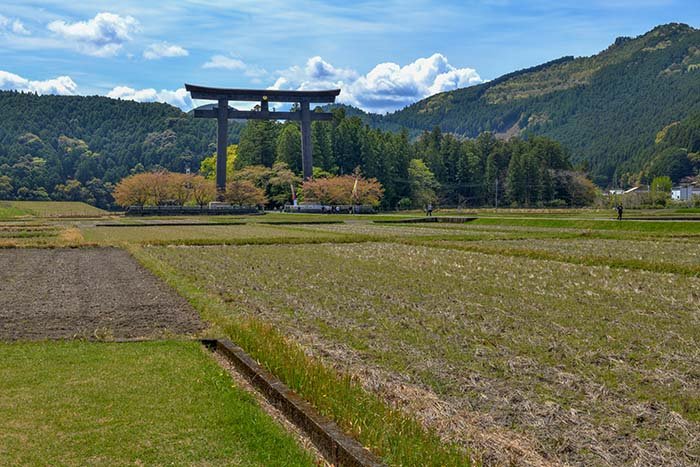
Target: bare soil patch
{"x": 86, "y": 293}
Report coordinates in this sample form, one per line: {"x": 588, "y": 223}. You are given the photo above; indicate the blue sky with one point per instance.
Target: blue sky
{"x": 382, "y": 54}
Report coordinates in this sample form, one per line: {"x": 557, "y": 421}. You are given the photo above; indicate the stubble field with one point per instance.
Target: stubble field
{"x": 579, "y": 364}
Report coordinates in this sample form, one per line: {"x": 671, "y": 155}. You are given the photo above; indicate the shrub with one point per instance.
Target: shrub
{"x": 244, "y": 193}
{"x": 342, "y": 190}
{"x": 158, "y": 188}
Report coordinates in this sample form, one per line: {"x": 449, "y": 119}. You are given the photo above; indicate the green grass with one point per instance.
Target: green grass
{"x": 476, "y": 329}
{"x": 9, "y": 211}
{"x": 158, "y": 403}
{"x": 657, "y": 227}
{"x": 568, "y": 213}
{"x": 51, "y": 209}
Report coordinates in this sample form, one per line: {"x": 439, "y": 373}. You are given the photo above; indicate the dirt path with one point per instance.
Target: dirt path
{"x": 86, "y": 293}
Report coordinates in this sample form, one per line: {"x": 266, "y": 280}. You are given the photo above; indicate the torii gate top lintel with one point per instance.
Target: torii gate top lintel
{"x": 272, "y": 95}
{"x": 222, "y": 112}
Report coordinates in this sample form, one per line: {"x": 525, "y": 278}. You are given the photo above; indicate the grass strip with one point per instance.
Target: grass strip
{"x": 57, "y": 208}
{"x": 663, "y": 227}
{"x": 591, "y": 260}
{"x": 391, "y": 434}
{"x": 150, "y": 403}
{"x": 10, "y": 212}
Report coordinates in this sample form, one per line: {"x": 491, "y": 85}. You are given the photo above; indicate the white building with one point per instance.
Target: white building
{"x": 684, "y": 193}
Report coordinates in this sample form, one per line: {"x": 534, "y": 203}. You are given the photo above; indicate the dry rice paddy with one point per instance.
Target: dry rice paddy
{"x": 579, "y": 364}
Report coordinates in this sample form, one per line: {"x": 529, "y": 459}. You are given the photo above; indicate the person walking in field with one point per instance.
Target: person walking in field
{"x": 619, "y": 212}
{"x": 429, "y": 210}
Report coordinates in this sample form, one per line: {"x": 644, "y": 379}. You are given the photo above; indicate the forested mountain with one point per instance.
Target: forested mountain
{"x": 606, "y": 109}
{"x": 72, "y": 147}
{"x": 675, "y": 152}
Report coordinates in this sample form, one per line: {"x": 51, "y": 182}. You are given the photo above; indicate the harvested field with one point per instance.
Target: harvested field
{"x": 86, "y": 293}
{"x": 519, "y": 358}
{"x": 165, "y": 233}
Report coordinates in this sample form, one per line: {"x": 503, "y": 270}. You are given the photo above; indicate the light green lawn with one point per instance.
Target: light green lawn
{"x": 49, "y": 209}
{"x": 8, "y": 211}
{"x": 156, "y": 403}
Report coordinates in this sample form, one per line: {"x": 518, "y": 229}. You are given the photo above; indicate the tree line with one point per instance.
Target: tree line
{"x": 254, "y": 185}
{"x": 79, "y": 148}
{"x": 435, "y": 167}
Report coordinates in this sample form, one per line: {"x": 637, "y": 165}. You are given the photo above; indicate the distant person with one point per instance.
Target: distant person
{"x": 619, "y": 212}
{"x": 429, "y": 210}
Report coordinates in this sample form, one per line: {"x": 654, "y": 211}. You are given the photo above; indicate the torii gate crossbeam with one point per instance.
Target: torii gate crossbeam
{"x": 222, "y": 112}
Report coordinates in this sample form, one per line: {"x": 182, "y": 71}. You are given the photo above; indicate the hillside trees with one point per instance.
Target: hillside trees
{"x": 6, "y": 188}
{"x": 46, "y": 141}
{"x": 207, "y": 167}
{"x": 288, "y": 147}
{"x": 606, "y": 108}
{"x": 423, "y": 184}
{"x": 257, "y": 144}
{"x": 675, "y": 152}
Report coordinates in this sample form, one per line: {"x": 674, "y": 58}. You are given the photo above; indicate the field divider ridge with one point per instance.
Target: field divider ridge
{"x": 339, "y": 448}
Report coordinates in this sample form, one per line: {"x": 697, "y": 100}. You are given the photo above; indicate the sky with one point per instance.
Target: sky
{"x": 383, "y": 55}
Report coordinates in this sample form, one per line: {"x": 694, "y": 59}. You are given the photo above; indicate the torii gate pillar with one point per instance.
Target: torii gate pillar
{"x": 306, "y": 146}
{"x": 221, "y": 148}
{"x": 223, "y": 113}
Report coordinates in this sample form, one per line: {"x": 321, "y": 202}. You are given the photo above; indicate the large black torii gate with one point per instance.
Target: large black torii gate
{"x": 222, "y": 112}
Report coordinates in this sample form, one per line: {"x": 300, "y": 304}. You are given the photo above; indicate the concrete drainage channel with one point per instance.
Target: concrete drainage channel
{"x": 338, "y": 448}
{"x": 427, "y": 219}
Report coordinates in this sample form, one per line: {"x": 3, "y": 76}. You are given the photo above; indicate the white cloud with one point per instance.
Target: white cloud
{"x": 18, "y": 28}
{"x": 62, "y": 85}
{"x": 163, "y": 49}
{"x": 178, "y": 98}
{"x": 101, "y": 36}
{"x": 15, "y": 26}
{"x": 316, "y": 74}
{"x": 318, "y": 69}
{"x": 387, "y": 87}
{"x": 224, "y": 63}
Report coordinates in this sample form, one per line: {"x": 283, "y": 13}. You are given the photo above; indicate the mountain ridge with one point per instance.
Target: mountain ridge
{"x": 606, "y": 108}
